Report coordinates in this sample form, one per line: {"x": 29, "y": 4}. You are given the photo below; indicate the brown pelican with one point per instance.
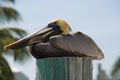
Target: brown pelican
{"x": 55, "y": 40}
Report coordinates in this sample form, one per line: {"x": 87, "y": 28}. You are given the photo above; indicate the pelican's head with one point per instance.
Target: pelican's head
{"x": 56, "y": 27}
{"x": 62, "y": 25}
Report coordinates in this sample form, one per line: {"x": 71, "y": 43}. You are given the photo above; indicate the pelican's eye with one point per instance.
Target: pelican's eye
{"x": 52, "y": 24}
{"x": 55, "y": 27}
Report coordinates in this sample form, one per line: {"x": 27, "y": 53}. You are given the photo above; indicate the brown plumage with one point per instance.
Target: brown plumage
{"x": 55, "y": 41}
{"x": 74, "y": 44}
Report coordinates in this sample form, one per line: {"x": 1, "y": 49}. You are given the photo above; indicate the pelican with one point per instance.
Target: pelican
{"x": 57, "y": 40}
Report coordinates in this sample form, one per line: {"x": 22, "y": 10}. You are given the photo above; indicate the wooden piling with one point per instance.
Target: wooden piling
{"x": 64, "y": 68}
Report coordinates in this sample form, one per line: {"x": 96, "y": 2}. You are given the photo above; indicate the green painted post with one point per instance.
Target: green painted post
{"x": 64, "y": 68}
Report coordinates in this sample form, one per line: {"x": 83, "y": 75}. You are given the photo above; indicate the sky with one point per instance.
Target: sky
{"x": 100, "y": 19}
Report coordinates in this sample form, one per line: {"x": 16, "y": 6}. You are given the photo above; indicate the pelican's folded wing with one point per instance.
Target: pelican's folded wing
{"x": 77, "y": 43}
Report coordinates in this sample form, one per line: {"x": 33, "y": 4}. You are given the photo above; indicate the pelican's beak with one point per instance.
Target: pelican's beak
{"x": 31, "y": 39}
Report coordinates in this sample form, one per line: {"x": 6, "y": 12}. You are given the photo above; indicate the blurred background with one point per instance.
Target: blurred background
{"x": 100, "y": 19}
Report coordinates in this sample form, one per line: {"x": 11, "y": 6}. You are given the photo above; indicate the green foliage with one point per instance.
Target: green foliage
{"x": 9, "y": 32}
{"x": 12, "y": 1}
{"x": 5, "y": 70}
{"x": 116, "y": 67}
{"x": 9, "y": 35}
{"x": 8, "y": 14}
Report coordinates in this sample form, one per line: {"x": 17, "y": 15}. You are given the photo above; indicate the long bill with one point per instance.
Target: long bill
{"x": 30, "y": 39}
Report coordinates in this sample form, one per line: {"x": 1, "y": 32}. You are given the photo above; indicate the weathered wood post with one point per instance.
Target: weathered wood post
{"x": 64, "y": 68}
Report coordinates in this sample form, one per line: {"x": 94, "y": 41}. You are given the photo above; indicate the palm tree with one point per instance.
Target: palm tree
{"x": 8, "y": 14}
{"x": 116, "y": 68}
{"x": 8, "y": 35}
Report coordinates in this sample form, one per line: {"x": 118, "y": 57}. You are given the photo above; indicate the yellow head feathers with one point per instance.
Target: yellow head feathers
{"x": 64, "y": 26}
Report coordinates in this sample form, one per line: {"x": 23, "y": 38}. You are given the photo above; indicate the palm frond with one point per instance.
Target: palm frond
{"x": 116, "y": 67}
{"x": 12, "y": 1}
{"x": 3, "y": 77}
{"x": 21, "y": 55}
{"x": 12, "y": 33}
{"x": 8, "y": 14}
{"x": 5, "y": 70}
{"x": 18, "y": 31}
{"x": 9, "y": 35}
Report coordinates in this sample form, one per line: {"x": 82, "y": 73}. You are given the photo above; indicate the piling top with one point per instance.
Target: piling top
{"x": 64, "y": 68}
